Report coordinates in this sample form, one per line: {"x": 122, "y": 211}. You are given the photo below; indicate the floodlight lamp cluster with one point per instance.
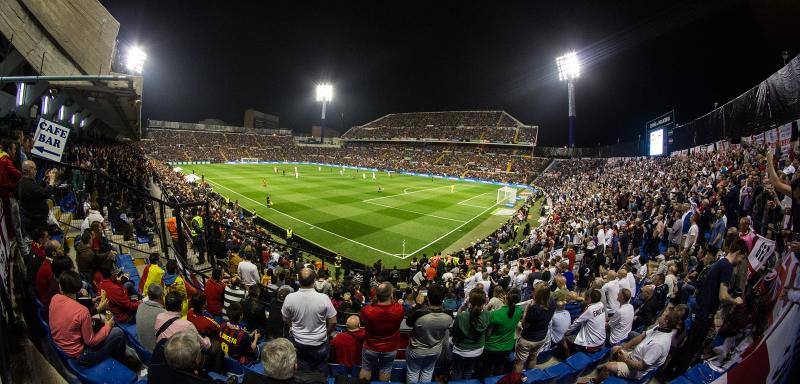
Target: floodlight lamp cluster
{"x": 134, "y": 59}
{"x": 324, "y": 93}
{"x": 568, "y": 66}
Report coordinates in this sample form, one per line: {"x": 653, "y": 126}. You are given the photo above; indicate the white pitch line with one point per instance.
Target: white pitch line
{"x": 404, "y": 193}
{"x": 419, "y": 213}
{"x": 464, "y": 201}
{"x": 475, "y": 206}
{"x": 448, "y": 233}
{"x": 306, "y": 223}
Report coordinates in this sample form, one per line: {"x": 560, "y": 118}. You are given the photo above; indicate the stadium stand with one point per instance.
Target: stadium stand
{"x": 487, "y": 126}
{"x": 678, "y": 269}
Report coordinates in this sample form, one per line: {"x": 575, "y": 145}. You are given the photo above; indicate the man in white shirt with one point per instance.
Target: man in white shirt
{"x": 691, "y": 236}
{"x": 631, "y": 282}
{"x": 643, "y": 353}
{"x": 591, "y": 326}
{"x": 622, "y": 322}
{"x": 248, "y": 271}
{"x": 610, "y": 290}
{"x": 93, "y": 215}
{"x": 313, "y": 319}
{"x": 622, "y": 279}
{"x": 601, "y": 236}
{"x": 672, "y": 282}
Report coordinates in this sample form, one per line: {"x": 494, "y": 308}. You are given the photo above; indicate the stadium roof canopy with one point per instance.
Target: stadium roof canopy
{"x": 71, "y": 44}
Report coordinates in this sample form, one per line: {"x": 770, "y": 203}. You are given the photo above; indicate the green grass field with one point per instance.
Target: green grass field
{"x": 347, "y": 214}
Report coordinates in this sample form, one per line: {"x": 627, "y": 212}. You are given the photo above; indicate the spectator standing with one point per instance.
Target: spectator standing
{"x": 535, "y": 324}
{"x": 500, "y": 342}
{"x": 381, "y": 321}
{"x": 233, "y": 294}
{"x": 469, "y": 335}
{"x": 610, "y": 290}
{"x": 215, "y": 292}
{"x": 275, "y": 325}
{"x": 591, "y": 326}
{"x": 312, "y": 318}
{"x": 622, "y": 322}
{"x": 248, "y": 271}
{"x": 152, "y": 274}
{"x": 33, "y": 197}
{"x": 255, "y": 310}
{"x": 430, "y": 330}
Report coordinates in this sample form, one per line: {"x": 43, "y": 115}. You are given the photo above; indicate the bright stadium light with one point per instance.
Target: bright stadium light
{"x": 568, "y": 66}
{"x": 134, "y": 59}
{"x": 324, "y": 93}
{"x": 324, "y": 96}
{"x": 569, "y": 69}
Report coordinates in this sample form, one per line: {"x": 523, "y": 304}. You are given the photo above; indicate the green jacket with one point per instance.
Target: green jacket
{"x": 468, "y": 336}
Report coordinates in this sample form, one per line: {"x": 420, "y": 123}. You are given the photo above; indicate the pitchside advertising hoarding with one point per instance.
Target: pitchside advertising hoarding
{"x": 658, "y": 133}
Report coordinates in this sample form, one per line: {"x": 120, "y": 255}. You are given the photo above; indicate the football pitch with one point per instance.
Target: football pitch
{"x": 347, "y": 213}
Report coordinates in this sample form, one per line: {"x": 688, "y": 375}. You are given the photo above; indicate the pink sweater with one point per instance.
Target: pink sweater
{"x": 71, "y": 326}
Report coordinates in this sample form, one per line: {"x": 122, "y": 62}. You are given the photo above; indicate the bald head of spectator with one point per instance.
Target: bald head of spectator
{"x": 353, "y": 323}
{"x": 182, "y": 351}
{"x": 384, "y": 292}
{"x": 279, "y": 358}
{"x": 306, "y": 278}
{"x": 29, "y": 168}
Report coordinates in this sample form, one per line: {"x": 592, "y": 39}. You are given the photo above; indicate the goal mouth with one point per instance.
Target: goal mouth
{"x": 507, "y": 196}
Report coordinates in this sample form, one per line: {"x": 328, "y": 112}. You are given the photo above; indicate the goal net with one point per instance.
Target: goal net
{"x": 249, "y": 160}
{"x": 506, "y": 196}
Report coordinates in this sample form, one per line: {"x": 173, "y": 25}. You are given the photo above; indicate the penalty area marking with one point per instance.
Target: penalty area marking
{"x": 448, "y": 233}
{"x": 411, "y": 211}
{"x": 404, "y": 193}
{"x": 306, "y": 223}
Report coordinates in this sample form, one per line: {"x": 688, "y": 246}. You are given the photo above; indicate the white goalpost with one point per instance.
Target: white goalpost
{"x": 506, "y": 196}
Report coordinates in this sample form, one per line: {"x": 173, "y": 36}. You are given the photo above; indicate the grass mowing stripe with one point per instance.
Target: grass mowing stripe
{"x": 448, "y": 233}
{"x": 309, "y": 224}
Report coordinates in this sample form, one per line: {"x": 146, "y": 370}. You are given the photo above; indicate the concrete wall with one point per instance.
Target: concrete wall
{"x": 76, "y": 36}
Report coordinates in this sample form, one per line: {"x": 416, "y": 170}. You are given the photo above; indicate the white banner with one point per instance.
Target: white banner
{"x": 762, "y": 250}
{"x": 50, "y": 140}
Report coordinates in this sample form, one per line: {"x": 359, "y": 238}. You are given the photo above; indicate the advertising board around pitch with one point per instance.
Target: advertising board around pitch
{"x": 50, "y": 140}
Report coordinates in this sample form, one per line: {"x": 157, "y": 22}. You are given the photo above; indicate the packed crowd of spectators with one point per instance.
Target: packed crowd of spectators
{"x": 643, "y": 255}
{"x": 491, "y": 126}
{"x": 490, "y": 163}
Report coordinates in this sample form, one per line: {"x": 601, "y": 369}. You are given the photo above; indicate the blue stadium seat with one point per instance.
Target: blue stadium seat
{"x": 562, "y": 373}
{"x": 536, "y": 376}
{"x": 233, "y": 366}
{"x": 492, "y": 380}
{"x": 398, "y": 374}
{"x": 619, "y": 380}
{"x": 108, "y": 371}
{"x": 701, "y": 374}
{"x": 582, "y": 362}
{"x": 143, "y": 239}
{"x": 473, "y": 381}
{"x": 545, "y": 355}
{"x": 337, "y": 370}
{"x": 681, "y": 380}
{"x": 133, "y": 340}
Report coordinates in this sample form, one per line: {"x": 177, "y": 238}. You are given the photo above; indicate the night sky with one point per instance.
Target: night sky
{"x": 214, "y": 59}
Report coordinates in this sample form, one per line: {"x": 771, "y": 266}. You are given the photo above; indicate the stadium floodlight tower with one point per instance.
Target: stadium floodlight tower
{"x": 324, "y": 96}
{"x": 134, "y": 59}
{"x": 569, "y": 69}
